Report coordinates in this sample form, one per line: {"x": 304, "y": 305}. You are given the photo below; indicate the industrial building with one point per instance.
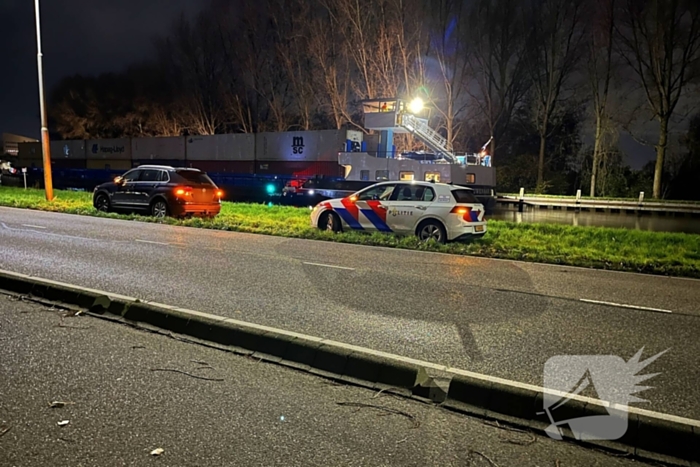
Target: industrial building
{"x": 9, "y": 143}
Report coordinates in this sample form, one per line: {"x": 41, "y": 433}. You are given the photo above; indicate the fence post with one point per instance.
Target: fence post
{"x": 522, "y": 202}
{"x": 641, "y": 197}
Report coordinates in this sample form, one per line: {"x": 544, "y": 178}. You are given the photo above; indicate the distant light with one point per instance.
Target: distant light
{"x": 311, "y": 192}
{"x": 270, "y": 188}
{"x": 416, "y": 105}
{"x": 282, "y": 418}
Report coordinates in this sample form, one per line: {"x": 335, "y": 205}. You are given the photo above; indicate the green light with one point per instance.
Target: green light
{"x": 270, "y": 188}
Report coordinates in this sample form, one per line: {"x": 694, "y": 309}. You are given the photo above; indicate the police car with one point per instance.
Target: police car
{"x": 429, "y": 210}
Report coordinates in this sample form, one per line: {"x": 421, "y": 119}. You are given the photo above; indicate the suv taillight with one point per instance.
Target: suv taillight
{"x": 183, "y": 191}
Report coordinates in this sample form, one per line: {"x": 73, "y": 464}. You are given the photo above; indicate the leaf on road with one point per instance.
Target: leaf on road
{"x": 63, "y": 422}
{"x": 157, "y": 452}
{"x": 59, "y": 404}
{"x": 71, "y": 313}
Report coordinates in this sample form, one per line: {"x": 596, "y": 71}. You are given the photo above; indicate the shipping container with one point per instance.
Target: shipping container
{"x": 30, "y": 163}
{"x": 109, "y": 149}
{"x": 232, "y": 167}
{"x": 68, "y": 163}
{"x": 308, "y": 146}
{"x": 231, "y": 147}
{"x": 168, "y": 162}
{"x": 109, "y": 164}
{"x": 299, "y": 168}
{"x": 55, "y": 163}
{"x": 73, "y": 149}
{"x": 156, "y": 148}
{"x": 28, "y": 151}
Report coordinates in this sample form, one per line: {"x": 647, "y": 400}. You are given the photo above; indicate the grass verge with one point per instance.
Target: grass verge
{"x": 674, "y": 254}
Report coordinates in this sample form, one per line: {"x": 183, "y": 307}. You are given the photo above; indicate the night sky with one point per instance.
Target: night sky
{"x": 78, "y": 36}
{"x": 95, "y": 36}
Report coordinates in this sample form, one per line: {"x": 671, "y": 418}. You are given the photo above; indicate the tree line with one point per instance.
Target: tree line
{"x": 553, "y": 82}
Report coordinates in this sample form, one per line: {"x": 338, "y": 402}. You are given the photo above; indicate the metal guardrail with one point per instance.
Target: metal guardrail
{"x": 596, "y": 204}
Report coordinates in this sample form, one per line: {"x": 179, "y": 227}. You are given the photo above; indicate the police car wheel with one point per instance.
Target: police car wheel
{"x": 431, "y": 230}
{"x": 330, "y": 221}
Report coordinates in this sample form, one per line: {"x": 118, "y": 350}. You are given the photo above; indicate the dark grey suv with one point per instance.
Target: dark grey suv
{"x": 161, "y": 191}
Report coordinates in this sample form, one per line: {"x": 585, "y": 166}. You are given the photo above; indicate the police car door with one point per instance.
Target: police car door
{"x": 372, "y": 205}
{"x": 404, "y": 209}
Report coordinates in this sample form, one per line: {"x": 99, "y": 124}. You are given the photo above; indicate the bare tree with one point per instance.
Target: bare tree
{"x": 600, "y": 70}
{"x": 556, "y": 33}
{"x": 163, "y": 122}
{"x": 194, "y": 62}
{"x": 256, "y": 87}
{"x": 445, "y": 67}
{"x": 290, "y": 22}
{"x": 660, "y": 41}
{"x": 381, "y": 38}
{"x": 333, "y": 70}
{"x": 497, "y": 61}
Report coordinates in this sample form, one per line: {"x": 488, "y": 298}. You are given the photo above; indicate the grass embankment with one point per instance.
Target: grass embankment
{"x": 598, "y": 247}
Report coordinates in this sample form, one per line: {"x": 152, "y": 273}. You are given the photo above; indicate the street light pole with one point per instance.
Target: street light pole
{"x": 48, "y": 182}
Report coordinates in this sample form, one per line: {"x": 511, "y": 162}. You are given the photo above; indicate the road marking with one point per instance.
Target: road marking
{"x": 622, "y": 305}
{"x": 34, "y": 226}
{"x": 152, "y": 243}
{"x": 51, "y": 234}
{"x": 330, "y": 266}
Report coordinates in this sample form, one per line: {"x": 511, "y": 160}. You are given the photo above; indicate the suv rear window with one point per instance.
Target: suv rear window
{"x": 195, "y": 177}
{"x": 465, "y": 196}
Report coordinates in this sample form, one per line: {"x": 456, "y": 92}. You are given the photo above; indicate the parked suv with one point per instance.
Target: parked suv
{"x": 161, "y": 191}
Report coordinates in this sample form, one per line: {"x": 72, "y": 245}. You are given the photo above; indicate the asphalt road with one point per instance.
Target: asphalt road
{"x": 248, "y": 414}
{"x": 501, "y": 318}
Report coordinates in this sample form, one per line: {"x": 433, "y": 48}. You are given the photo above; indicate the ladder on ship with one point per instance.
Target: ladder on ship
{"x": 419, "y": 128}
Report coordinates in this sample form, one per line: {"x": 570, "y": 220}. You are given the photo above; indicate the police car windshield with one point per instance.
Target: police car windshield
{"x": 382, "y": 193}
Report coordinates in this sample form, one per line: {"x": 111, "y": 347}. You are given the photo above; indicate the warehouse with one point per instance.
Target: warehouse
{"x": 9, "y": 143}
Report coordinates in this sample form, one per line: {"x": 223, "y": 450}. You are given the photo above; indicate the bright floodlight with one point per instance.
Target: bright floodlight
{"x": 416, "y": 105}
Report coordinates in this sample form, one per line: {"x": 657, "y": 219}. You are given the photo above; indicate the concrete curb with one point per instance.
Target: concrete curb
{"x": 650, "y": 435}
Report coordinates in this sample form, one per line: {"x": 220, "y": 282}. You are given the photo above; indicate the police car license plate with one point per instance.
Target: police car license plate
{"x": 479, "y": 228}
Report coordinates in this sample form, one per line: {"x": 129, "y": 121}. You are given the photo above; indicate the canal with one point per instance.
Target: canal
{"x": 653, "y": 222}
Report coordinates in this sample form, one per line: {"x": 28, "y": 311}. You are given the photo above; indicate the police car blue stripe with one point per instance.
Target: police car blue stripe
{"x": 347, "y": 217}
{"x": 374, "y": 219}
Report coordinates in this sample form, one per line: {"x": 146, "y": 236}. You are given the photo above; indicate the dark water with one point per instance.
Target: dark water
{"x": 652, "y": 222}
